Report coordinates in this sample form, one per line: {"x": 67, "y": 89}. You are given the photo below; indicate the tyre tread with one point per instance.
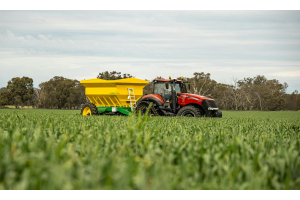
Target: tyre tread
{"x": 92, "y": 107}
{"x": 193, "y": 108}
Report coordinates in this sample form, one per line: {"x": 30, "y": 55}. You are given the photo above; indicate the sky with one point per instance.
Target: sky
{"x": 80, "y": 44}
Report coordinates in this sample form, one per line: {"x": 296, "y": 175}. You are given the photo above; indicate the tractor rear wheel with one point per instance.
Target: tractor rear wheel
{"x": 89, "y": 109}
{"x": 142, "y": 106}
{"x": 189, "y": 111}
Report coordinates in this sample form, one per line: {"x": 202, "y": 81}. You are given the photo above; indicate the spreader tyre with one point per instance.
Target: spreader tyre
{"x": 189, "y": 111}
{"x": 89, "y": 109}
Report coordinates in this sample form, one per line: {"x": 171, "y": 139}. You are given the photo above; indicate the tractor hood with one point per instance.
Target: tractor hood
{"x": 195, "y": 96}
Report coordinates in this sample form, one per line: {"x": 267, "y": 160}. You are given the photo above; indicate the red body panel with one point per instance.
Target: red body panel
{"x": 157, "y": 96}
{"x": 183, "y": 99}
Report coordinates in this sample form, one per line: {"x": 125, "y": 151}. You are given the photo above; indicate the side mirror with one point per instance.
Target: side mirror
{"x": 189, "y": 86}
{"x": 167, "y": 85}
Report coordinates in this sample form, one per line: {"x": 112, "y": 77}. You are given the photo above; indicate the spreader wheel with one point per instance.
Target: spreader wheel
{"x": 189, "y": 111}
{"x": 89, "y": 109}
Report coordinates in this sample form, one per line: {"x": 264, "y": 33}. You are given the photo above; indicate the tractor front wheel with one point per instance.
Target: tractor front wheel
{"x": 89, "y": 109}
{"x": 219, "y": 114}
{"x": 189, "y": 111}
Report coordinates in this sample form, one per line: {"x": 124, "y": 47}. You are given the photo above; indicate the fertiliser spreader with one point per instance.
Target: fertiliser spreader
{"x": 124, "y": 96}
{"x": 112, "y": 96}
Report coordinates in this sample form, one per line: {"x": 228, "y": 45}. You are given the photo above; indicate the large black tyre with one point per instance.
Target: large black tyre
{"x": 189, "y": 111}
{"x": 138, "y": 102}
{"x": 89, "y": 109}
{"x": 142, "y": 106}
{"x": 219, "y": 114}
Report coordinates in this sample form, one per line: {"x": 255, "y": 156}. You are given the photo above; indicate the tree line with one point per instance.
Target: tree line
{"x": 257, "y": 93}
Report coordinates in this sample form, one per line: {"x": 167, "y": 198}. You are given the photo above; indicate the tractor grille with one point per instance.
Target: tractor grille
{"x": 206, "y": 104}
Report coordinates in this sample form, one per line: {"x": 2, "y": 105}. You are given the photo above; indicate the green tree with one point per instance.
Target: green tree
{"x": 293, "y": 101}
{"x": 148, "y": 89}
{"x": 18, "y": 91}
{"x": 201, "y": 84}
{"x": 77, "y": 95}
{"x": 113, "y": 75}
{"x": 262, "y": 94}
{"x": 60, "y": 92}
{"x": 4, "y": 96}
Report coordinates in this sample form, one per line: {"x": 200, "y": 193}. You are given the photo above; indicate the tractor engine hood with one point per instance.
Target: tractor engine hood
{"x": 195, "y": 96}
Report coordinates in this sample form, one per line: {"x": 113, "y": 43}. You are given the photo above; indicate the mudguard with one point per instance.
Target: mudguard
{"x": 155, "y": 98}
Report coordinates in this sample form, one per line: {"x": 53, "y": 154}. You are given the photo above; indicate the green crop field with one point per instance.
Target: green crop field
{"x": 52, "y": 149}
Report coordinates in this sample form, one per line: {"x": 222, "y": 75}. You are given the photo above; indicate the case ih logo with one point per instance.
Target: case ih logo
{"x": 185, "y": 96}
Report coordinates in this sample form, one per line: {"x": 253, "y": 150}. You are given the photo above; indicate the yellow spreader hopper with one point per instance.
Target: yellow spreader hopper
{"x": 112, "y": 95}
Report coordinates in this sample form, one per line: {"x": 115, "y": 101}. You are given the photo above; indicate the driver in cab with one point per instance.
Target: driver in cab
{"x": 165, "y": 93}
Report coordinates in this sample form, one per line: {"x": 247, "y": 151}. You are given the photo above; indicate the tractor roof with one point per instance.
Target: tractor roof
{"x": 166, "y": 80}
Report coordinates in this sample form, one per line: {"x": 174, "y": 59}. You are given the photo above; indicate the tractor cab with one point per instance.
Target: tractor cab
{"x": 164, "y": 88}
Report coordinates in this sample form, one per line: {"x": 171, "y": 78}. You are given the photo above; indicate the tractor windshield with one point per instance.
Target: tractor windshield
{"x": 160, "y": 88}
{"x": 178, "y": 88}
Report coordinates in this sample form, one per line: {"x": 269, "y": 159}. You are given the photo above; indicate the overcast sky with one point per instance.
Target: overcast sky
{"x": 146, "y": 44}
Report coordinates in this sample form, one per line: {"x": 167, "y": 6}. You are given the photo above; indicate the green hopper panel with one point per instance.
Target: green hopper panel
{"x": 124, "y": 110}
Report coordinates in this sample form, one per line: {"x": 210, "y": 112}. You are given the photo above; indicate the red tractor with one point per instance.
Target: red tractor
{"x": 170, "y": 98}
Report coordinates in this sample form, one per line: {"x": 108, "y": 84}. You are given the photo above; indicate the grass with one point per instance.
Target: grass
{"x": 53, "y": 149}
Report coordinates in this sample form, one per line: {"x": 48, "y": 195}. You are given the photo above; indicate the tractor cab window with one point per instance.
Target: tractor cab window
{"x": 160, "y": 88}
{"x": 178, "y": 88}
{"x": 181, "y": 88}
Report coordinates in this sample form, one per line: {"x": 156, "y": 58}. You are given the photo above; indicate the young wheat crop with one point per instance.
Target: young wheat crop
{"x": 44, "y": 149}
